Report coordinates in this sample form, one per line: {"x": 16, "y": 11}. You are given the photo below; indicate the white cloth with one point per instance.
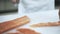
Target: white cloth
{"x": 47, "y": 8}
{"x": 35, "y": 5}
{"x": 43, "y": 17}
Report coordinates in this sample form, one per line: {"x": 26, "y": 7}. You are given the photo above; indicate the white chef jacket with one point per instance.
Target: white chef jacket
{"x": 35, "y": 5}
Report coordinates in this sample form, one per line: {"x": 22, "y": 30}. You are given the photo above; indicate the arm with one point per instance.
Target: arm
{"x": 8, "y": 25}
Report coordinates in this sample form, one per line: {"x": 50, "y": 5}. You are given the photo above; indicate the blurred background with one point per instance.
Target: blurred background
{"x": 7, "y": 6}
{"x": 57, "y": 4}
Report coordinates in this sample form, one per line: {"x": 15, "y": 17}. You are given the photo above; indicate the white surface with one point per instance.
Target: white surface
{"x": 8, "y": 17}
{"x": 35, "y": 5}
{"x": 38, "y": 17}
{"x": 43, "y": 16}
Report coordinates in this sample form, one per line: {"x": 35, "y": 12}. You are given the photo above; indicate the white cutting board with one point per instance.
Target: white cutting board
{"x": 43, "y": 16}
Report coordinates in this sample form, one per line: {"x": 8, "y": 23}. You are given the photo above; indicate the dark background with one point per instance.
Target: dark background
{"x": 57, "y": 2}
{"x": 6, "y": 6}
